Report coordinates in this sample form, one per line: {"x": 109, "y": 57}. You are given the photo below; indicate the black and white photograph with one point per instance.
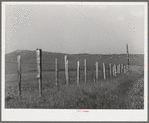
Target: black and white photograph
{"x": 74, "y": 61}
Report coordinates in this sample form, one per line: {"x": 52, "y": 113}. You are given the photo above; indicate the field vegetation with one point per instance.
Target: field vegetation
{"x": 125, "y": 91}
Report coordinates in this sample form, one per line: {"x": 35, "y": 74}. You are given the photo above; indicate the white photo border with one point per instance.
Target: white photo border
{"x": 73, "y": 115}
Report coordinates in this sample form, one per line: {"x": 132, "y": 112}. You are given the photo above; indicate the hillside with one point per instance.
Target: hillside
{"x": 28, "y": 59}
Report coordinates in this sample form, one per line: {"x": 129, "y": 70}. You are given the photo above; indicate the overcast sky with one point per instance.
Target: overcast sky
{"x": 95, "y": 29}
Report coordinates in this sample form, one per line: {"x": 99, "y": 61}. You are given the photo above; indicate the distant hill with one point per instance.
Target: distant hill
{"x": 28, "y": 59}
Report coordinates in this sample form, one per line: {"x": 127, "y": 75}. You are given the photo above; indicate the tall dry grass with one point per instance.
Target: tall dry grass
{"x": 114, "y": 93}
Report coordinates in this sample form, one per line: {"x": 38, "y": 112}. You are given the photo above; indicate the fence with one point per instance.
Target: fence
{"x": 39, "y": 77}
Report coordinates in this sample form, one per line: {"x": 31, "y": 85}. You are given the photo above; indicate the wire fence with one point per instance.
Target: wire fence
{"x": 49, "y": 74}
{"x": 29, "y": 71}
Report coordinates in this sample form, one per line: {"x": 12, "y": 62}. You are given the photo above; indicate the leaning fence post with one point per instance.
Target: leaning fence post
{"x": 85, "y": 69}
{"x": 19, "y": 73}
{"x": 104, "y": 71}
{"x": 110, "y": 69}
{"x": 96, "y": 71}
{"x": 39, "y": 69}
{"x": 78, "y": 73}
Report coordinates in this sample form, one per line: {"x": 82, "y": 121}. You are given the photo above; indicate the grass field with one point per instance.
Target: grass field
{"x": 126, "y": 91}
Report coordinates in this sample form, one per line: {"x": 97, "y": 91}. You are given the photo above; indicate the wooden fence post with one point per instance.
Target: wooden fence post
{"x": 78, "y": 73}
{"x": 65, "y": 58}
{"x": 110, "y": 69}
{"x": 96, "y": 71}
{"x": 115, "y": 70}
{"x": 127, "y": 56}
{"x": 66, "y": 70}
{"x": 85, "y": 69}
{"x": 39, "y": 69}
{"x": 118, "y": 68}
{"x": 104, "y": 72}
{"x": 127, "y": 68}
{"x": 121, "y": 68}
{"x": 92, "y": 70}
{"x": 56, "y": 72}
{"x": 56, "y": 82}
{"x": 19, "y": 73}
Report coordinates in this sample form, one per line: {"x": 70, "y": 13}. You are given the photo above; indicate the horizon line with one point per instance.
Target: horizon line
{"x": 73, "y": 53}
